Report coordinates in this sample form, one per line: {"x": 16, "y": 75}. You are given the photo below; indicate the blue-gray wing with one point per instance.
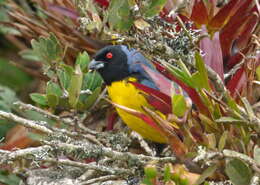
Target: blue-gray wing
{"x": 134, "y": 58}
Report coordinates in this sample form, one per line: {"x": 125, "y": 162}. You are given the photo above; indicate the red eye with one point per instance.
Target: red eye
{"x": 109, "y": 55}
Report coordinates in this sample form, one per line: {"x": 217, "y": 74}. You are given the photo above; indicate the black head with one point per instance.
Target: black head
{"x": 111, "y": 63}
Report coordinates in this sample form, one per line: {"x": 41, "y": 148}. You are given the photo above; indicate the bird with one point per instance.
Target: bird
{"x": 119, "y": 65}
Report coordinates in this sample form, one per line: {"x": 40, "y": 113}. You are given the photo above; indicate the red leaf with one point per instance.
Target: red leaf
{"x": 228, "y": 35}
{"x": 194, "y": 96}
{"x": 173, "y": 139}
{"x": 237, "y": 82}
{"x": 213, "y": 53}
{"x": 165, "y": 98}
{"x": 223, "y": 15}
{"x": 103, "y": 3}
{"x": 246, "y": 33}
{"x": 199, "y": 13}
{"x": 234, "y": 27}
{"x": 17, "y": 137}
{"x": 235, "y": 59}
{"x": 111, "y": 119}
{"x": 159, "y": 104}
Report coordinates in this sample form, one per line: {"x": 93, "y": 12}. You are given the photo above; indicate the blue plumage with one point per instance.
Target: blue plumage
{"x": 134, "y": 58}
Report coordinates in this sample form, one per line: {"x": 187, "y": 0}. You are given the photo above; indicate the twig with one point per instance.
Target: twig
{"x": 41, "y": 153}
{"x": 255, "y": 180}
{"x": 93, "y": 150}
{"x": 207, "y": 156}
{"x": 143, "y": 143}
{"x": 49, "y": 115}
{"x": 38, "y": 152}
{"x": 113, "y": 171}
{"x": 99, "y": 179}
{"x": 37, "y": 125}
{"x": 184, "y": 28}
{"x": 89, "y": 137}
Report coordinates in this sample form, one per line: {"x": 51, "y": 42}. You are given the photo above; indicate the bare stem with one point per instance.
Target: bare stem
{"x": 37, "y": 125}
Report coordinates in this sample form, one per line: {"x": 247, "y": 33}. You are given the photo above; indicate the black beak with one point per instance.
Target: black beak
{"x": 95, "y": 65}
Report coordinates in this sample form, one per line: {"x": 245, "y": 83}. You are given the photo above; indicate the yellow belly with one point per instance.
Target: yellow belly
{"x": 126, "y": 94}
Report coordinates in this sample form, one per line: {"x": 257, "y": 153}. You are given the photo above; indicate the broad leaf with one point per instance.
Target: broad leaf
{"x": 238, "y": 172}
{"x": 48, "y": 49}
{"x": 207, "y": 173}
{"x": 52, "y": 100}
{"x": 83, "y": 60}
{"x": 39, "y": 98}
{"x": 222, "y": 141}
{"x": 53, "y": 88}
{"x": 92, "y": 98}
{"x": 154, "y": 7}
{"x": 119, "y": 15}
{"x": 257, "y": 154}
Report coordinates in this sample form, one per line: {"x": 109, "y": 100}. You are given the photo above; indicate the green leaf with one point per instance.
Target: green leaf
{"x": 12, "y": 76}
{"x": 65, "y": 75}
{"x": 41, "y": 99}
{"x": 8, "y": 178}
{"x": 150, "y": 171}
{"x": 179, "y": 105}
{"x": 92, "y": 81}
{"x": 203, "y": 75}
{"x": 47, "y": 48}
{"x": 197, "y": 80}
{"x": 184, "y": 68}
{"x": 29, "y": 54}
{"x": 257, "y": 155}
{"x": 92, "y": 98}
{"x": 167, "y": 173}
{"x": 2, "y": 2}
{"x": 75, "y": 86}
{"x": 238, "y": 172}
{"x": 7, "y": 98}
{"x": 248, "y": 108}
{"x": 83, "y": 60}
{"x": 154, "y": 7}
{"x": 207, "y": 173}
{"x": 53, "y": 88}
{"x": 222, "y": 141}
{"x": 258, "y": 73}
{"x": 64, "y": 78}
{"x": 119, "y": 15}
{"x": 179, "y": 74}
{"x": 52, "y": 100}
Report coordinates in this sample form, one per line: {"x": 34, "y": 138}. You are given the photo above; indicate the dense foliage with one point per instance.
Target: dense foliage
{"x": 212, "y": 118}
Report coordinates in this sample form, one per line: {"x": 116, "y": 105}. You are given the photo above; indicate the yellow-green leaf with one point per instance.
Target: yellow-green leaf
{"x": 200, "y": 65}
{"x": 75, "y": 86}
{"x": 179, "y": 106}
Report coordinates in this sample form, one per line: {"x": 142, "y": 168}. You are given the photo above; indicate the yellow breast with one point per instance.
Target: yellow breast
{"x": 124, "y": 93}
